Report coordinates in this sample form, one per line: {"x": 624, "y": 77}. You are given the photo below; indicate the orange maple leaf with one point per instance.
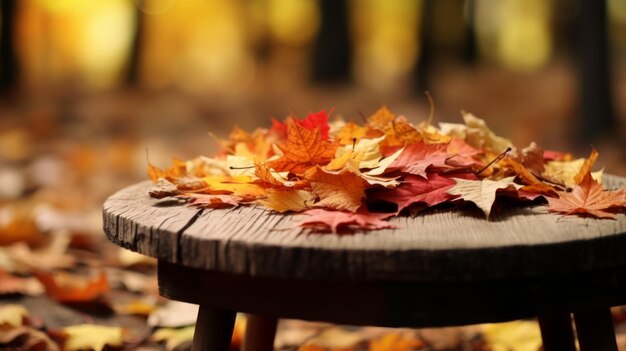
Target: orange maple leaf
{"x": 589, "y": 198}
{"x": 341, "y": 191}
{"x": 586, "y": 167}
{"x": 304, "y": 148}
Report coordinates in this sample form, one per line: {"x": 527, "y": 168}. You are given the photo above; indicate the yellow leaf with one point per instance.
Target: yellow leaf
{"x": 400, "y": 133}
{"x": 288, "y": 200}
{"x": 381, "y": 118}
{"x": 341, "y": 191}
{"x": 476, "y": 133}
{"x": 92, "y": 337}
{"x": 13, "y": 315}
{"x": 237, "y": 185}
{"x": 136, "y": 307}
{"x": 240, "y": 165}
{"x": 350, "y": 133}
{"x": 174, "y": 337}
{"x": 367, "y": 149}
{"x": 513, "y": 336}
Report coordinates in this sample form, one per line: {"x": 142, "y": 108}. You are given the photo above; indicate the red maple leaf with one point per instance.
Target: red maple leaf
{"x": 312, "y": 121}
{"x": 335, "y": 220}
{"x": 418, "y": 157}
{"x": 431, "y": 191}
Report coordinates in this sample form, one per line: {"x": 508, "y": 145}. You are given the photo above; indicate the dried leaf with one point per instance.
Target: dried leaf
{"x": 481, "y": 192}
{"x": 13, "y": 315}
{"x": 589, "y": 198}
{"x": 518, "y": 336}
{"x": 288, "y": 200}
{"x": 66, "y": 287}
{"x": 431, "y": 191}
{"x": 586, "y": 167}
{"x": 417, "y": 158}
{"x": 341, "y": 191}
{"x": 396, "y": 342}
{"x": 27, "y": 339}
{"x": 335, "y": 220}
{"x": 476, "y": 133}
{"x": 304, "y": 148}
{"x": 10, "y": 284}
{"x": 368, "y": 151}
{"x": 92, "y": 337}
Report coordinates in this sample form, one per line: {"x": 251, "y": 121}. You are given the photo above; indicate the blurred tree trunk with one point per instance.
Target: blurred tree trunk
{"x": 469, "y": 47}
{"x": 333, "y": 52}
{"x": 597, "y": 113}
{"x": 425, "y": 37}
{"x": 8, "y": 60}
{"x": 134, "y": 58}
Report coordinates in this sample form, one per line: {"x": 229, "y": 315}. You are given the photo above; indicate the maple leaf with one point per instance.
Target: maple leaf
{"x": 481, "y": 192}
{"x": 288, "y": 200}
{"x": 381, "y": 118}
{"x": 431, "y": 191}
{"x": 92, "y": 337}
{"x": 341, "y": 191}
{"x": 566, "y": 172}
{"x": 418, "y": 157}
{"x": 313, "y": 120}
{"x": 526, "y": 177}
{"x": 304, "y": 148}
{"x": 589, "y": 198}
{"x": 586, "y": 167}
{"x": 462, "y": 154}
{"x": 334, "y": 220}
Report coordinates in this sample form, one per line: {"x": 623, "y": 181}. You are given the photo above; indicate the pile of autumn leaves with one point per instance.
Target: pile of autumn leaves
{"x": 343, "y": 175}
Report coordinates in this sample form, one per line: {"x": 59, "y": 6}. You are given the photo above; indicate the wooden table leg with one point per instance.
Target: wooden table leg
{"x": 556, "y": 332}
{"x": 260, "y": 333}
{"x": 595, "y": 330}
{"x": 214, "y": 330}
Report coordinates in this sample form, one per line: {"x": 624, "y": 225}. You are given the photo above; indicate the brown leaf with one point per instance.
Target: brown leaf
{"x": 27, "y": 339}
{"x": 288, "y": 200}
{"x": 589, "y": 198}
{"x": 212, "y": 201}
{"x": 340, "y": 191}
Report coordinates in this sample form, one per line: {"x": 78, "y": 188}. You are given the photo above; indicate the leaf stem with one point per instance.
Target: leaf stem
{"x": 498, "y": 158}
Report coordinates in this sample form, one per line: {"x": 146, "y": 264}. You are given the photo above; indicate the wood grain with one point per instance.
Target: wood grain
{"x": 447, "y": 246}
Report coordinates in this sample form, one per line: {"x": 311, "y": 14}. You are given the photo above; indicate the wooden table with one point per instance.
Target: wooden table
{"x": 438, "y": 269}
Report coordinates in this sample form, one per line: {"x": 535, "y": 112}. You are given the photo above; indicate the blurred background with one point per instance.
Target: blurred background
{"x": 86, "y": 87}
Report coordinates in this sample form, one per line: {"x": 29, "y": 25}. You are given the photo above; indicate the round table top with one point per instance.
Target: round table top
{"x": 457, "y": 245}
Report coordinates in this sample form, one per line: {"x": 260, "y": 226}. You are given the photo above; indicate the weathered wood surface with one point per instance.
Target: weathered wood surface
{"x": 447, "y": 246}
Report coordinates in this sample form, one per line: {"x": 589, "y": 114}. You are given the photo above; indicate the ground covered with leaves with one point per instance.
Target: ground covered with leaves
{"x": 64, "y": 287}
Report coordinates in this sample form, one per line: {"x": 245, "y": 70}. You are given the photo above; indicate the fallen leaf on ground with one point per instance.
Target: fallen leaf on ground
{"x": 92, "y": 337}
{"x": 589, "y": 198}
{"x": 174, "y": 314}
{"x": 13, "y": 315}
{"x": 174, "y": 337}
{"x": 513, "y": 336}
{"x": 66, "y": 287}
{"x": 10, "y": 284}
{"x": 27, "y": 339}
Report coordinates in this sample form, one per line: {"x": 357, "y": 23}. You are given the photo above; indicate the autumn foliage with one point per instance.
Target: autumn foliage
{"x": 343, "y": 175}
